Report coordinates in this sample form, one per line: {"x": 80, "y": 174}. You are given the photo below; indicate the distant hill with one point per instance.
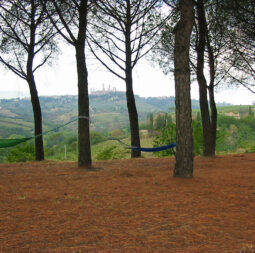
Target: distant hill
{"x": 108, "y": 111}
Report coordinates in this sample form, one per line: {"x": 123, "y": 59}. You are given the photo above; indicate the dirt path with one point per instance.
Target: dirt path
{"x": 129, "y": 206}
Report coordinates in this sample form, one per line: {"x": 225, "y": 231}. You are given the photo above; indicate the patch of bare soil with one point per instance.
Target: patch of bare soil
{"x": 129, "y": 206}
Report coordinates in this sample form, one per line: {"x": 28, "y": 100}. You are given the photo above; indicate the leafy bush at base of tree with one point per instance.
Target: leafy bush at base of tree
{"x": 22, "y": 153}
{"x": 111, "y": 153}
{"x": 167, "y": 135}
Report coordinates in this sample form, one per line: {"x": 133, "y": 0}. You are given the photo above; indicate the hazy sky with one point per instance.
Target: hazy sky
{"x": 60, "y": 79}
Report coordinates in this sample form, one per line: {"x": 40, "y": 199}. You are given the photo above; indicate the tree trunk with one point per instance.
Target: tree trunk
{"x": 205, "y": 113}
{"x": 84, "y": 157}
{"x": 133, "y": 119}
{"x": 39, "y": 152}
{"x": 206, "y": 120}
{"x": 132, "y": 111}
{"x": 214, "y": 116}
{"x": 184, "y": 140}
{"x": 214, "y": 113}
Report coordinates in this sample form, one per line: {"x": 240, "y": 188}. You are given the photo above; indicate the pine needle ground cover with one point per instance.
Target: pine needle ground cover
{"x": 129, "y": 206}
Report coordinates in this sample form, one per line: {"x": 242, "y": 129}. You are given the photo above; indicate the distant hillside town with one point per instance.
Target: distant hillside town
{"x": 104, "y": 90}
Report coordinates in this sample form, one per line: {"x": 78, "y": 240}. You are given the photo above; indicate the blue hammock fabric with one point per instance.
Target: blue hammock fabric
{"x": 157, "y": 149}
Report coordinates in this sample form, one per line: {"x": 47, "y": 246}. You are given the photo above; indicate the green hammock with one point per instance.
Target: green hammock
{"x": 6, "y": 143}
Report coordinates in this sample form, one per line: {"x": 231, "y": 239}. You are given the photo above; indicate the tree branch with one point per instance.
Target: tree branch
{"x": 103, "y": 63}
{"x": 13, "y": 69}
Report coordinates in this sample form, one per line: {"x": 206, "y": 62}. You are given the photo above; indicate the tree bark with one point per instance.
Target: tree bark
{"x": 132, "y": 111}
{"x": 214, "y": 117}
{"x": 84, "y": 157}
{"x": 39, "y": 152}
{"x": 184, "y": 140}
{"x": 133, "y": 119}
{"x": 209, "y": 121}
{"x": 205, "y": 112}
{"x": 214, "y": 113}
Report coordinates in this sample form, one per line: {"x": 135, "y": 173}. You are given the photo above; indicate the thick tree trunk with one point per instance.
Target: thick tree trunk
{"x": 209, "y": 129}
{"x": 39, "y": 152}
{"x": 84, "y": 157}
{"x": 184, "y": 140}
{"x": 132, "y": 111}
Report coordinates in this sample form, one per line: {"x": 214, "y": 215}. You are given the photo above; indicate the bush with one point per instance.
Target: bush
{"x": 197, "y": 138}
{"x": 117, "y": 133}
{"x": 96, "y": 137}
{"x": 166, "y": 136}
{"x": 3, "y": 154}
{"x": 22, "y": 153}
{"x": 55, "y": 139}
{"x": 110, "y": 153}
{"x": 239, "y": 133}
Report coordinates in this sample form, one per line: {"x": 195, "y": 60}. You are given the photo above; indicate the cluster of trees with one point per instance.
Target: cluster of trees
{"x": 234, "y": 135}
{"x": 221, "y": 49}
{"x": 184, "y": 35}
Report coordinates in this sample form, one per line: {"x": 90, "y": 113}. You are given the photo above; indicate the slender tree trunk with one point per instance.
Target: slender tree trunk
{"x": 184, "y": 140}
{"x": 132, "y": 111}
{"x": 133, "y": 119}
{"x": 205, "y": 113}
{"x": 39, "y": 152}
{"x": 214, "y": 113}
{"x": 214, "y": 116}
{"x": 84, "y": 157}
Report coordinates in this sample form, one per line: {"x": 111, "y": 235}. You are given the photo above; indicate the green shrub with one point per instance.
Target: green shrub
{"x": 54, "y": 139}
{"x": 117, "y": 133}
{"x": 110, "y": 153}
{"x": 167, "y": 135}
{"x": 3, "y": 154}
{"x": 197, "y": 137}
{"x": 96, "y": 137}
{"x": 21, "y": 153}
{"x": 238, "y": 133}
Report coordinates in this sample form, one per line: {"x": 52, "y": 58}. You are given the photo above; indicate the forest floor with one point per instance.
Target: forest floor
{"x": 129, "y": 206}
